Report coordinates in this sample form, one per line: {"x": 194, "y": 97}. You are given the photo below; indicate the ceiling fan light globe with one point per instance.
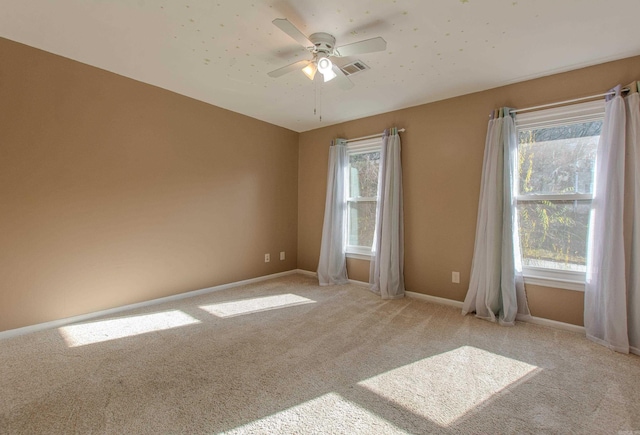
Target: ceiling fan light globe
{"x": 328, "y": 75}
{"x": 324, "y": 65}
{"x": 310, "y": 70}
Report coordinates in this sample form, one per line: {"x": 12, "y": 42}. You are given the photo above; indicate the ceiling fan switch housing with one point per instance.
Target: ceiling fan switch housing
{"x": 323, "y": 43}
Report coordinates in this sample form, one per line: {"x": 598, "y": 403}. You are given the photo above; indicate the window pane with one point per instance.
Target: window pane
{"x": 553, "y": 234}
{"x": 557, "y": 160}
{"x": 363, "y": 174}
{"x": 362, "y": 220}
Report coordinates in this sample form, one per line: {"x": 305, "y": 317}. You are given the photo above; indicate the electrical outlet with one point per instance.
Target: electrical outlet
{"x": 282, "y": 255}
{"x": 455, "y": 277}
{"x": 267, "y": 258}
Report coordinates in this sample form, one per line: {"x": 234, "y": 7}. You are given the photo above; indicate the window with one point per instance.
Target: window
{"x": 554, "y": 188}
{"x": 362, "y": 194}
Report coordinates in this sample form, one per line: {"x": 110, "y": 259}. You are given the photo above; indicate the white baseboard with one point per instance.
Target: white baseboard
{"x": 315, "y": 274}
{"x": 306, "y": 272}
{"x": 527, "y": 319}
{"x": 83, "y": 317}
{"x": 552, "y": 324}
{"x": 434, "y": 299}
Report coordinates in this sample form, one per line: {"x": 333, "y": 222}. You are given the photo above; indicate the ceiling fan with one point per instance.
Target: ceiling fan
{"x": 323, "y": 46}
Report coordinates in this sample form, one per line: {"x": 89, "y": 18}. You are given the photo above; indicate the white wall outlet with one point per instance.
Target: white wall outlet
{"x": 455, "y": 277}
{"x": 267, "y": 258}
{"x": 282, "y": 255}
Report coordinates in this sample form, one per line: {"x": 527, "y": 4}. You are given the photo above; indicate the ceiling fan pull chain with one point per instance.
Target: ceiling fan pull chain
{"x": 320, "y": 101}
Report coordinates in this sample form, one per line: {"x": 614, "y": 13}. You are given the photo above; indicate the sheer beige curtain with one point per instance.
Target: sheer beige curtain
{"x": 496, "y": 287}
{"x": 612, "y": 289}
{"x": 332, "y": 267}
{"x": 386, "y": 273}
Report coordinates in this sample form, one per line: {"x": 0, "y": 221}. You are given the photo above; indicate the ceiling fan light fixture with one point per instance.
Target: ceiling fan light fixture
{"x": 310, "y": 70}
{"x": 328, "y": 75}
{"x": 324, "y": 65}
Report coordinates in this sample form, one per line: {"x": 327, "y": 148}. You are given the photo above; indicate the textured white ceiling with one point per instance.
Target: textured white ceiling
{"x": 220, "y": 51}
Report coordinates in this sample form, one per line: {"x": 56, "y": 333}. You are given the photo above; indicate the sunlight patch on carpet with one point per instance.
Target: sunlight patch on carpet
{"x": 255, "y": 305}
{"x": 329, "y": 413}
{"x": 112, "y": 329}
{"x": 445, "y": 387}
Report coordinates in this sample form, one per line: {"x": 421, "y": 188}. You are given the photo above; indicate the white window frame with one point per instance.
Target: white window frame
{"x": 358, "y": 147}
{"x": 583, "y": 112}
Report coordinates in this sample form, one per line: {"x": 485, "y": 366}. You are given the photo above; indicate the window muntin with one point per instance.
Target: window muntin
{"x": 554, "y": 188}
{"x": 362, "y": 192}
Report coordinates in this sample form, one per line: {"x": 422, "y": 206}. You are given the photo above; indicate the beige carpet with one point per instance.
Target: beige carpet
{"x": 286, "y": 356}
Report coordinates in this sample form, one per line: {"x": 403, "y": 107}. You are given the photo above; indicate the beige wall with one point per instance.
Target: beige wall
{"x": 114, "y": 192}
{"x": 442, "y": 152}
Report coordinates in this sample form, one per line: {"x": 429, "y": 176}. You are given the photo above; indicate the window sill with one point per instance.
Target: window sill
{"x": 546, "y": 277}
{"x": 554, "y": 282}
{"x": 358, "y": 256}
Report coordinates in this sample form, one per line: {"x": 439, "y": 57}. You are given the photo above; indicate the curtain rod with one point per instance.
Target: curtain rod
{"x": 560, "y": 103}
{"x": 400, "y": 130}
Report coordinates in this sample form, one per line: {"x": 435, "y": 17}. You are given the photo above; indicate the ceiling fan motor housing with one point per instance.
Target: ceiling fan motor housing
{"x": 323, "y": 43}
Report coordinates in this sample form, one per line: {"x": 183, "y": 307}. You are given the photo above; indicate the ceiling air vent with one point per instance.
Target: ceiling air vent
{"x": 354, "y": 67}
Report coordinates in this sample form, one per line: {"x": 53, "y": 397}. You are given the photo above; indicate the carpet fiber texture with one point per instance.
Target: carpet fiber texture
{"x": 288, "y": 356}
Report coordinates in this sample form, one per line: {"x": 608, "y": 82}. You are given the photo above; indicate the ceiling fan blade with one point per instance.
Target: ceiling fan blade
{"x": 341, "y": 79}
{"x": 291, "y": 30}
{"x": 366, "y": 46}
{"x": 289, "y": 68}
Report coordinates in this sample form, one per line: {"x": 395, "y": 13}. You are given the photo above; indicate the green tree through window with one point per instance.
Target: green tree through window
{"x": 362, "y": 192}
{"x": 555, "y": 185}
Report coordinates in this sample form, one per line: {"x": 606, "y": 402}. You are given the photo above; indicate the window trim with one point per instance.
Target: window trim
{"x": 359, "y": 254}
{"x": 581, "y": 112}
{"x": 575, "y": 113}
{"x": 358, "y": 147}
{"x": 555, "y": 197}
{"x": 564, "y": 279}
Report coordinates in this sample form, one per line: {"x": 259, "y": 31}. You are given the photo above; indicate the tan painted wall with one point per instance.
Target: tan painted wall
{"x": 114, "y": 192}
{"x": 358, "y": 269}
{"x": 442, "y": 152}
{"x": 556, "y": 304}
